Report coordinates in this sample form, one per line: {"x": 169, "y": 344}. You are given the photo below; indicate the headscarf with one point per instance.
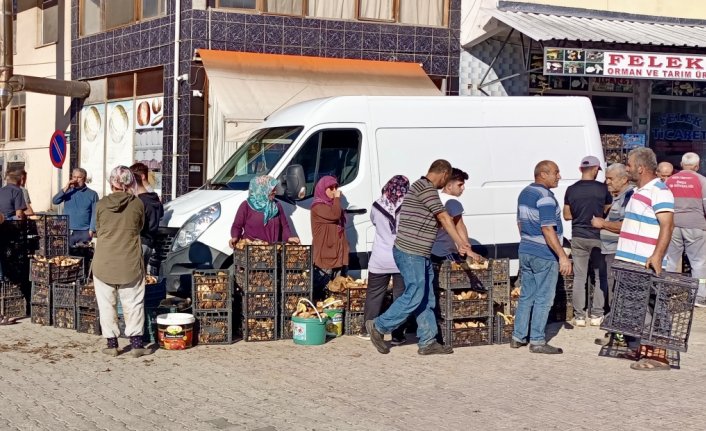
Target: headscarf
{"x": 121, "y": 178}
{"x": 259, "y": 196}
{"x": 321, "y": 198}
{"x": 393, "y": 193}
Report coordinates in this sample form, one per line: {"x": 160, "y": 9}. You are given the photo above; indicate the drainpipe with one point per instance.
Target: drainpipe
{"x": 5, "y": 53}
{"x": 175, "y": 97}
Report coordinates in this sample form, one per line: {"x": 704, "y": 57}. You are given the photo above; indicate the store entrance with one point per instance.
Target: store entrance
{"x": 678, "y": 127}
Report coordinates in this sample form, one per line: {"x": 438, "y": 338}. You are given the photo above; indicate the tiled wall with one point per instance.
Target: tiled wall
{"x": 475, "y": 62}
{"x": 150, "y": 44}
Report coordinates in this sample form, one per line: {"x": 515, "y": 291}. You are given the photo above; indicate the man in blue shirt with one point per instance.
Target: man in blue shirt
{"x": 80, "y": 205}
{"x": 541, "y": 257}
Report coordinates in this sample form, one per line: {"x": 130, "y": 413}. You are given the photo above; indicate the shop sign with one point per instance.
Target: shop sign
{"x": 678, "y": 127}
{"x": 624, "y": 64}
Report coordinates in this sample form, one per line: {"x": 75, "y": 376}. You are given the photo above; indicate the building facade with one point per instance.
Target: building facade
{"x": 151, "y": 104}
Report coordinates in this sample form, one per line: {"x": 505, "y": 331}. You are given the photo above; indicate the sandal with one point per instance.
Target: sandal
{"x": 650, "y": 365}
{"x": 4, "y": 320}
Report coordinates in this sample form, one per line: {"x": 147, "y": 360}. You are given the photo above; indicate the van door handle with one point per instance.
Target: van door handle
{"x": 356, "y": 211}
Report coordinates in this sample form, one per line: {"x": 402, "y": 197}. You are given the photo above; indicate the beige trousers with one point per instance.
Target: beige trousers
{"x": 132, "y": 299}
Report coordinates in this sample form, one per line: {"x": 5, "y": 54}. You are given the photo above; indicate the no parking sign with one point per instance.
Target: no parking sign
{"x": 57, "y": 149}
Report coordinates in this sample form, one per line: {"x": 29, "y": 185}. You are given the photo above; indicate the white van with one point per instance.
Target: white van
{"x": 364, "y": 141}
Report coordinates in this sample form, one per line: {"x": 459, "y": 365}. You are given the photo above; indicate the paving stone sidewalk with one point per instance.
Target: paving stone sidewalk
{"x": 55, "y": 379}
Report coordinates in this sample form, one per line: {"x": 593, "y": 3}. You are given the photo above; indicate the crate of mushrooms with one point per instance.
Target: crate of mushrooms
{"x": 260, "y": 329}
{"x": 295, "y": 256}
{"x": 255, "y": 254}
{"x": 212, "y": 289}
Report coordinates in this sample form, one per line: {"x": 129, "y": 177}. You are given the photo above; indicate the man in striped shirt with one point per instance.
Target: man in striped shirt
{"x": 420, "y": 216}
{"x": 542, "y": 257}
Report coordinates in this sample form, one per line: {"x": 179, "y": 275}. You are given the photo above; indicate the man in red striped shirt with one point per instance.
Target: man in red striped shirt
{"x": 689, "y": 190}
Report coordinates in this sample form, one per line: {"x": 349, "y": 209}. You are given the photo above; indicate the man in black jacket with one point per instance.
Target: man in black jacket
{"x": 153, "y": 210}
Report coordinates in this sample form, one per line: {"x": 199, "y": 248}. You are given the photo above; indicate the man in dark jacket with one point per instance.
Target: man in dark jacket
{"x": 153, "y": 210}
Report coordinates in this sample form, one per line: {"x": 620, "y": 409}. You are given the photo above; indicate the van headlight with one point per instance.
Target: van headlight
{"x": 196, "y": 225}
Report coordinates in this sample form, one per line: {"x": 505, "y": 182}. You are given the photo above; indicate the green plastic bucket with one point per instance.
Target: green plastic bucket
{"x": 334, "y": 326}
{"x": 309, "y": 331}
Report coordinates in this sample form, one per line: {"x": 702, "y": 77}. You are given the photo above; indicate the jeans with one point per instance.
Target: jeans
{"x": 609, "y": 279}
{"x": 375, "y": 296}
{"x": 583, "y": 251}
{"x": 539, "y": 277}
{"x": 418, "y": 298}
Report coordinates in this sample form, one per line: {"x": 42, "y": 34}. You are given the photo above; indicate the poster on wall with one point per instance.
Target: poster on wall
{"x": 119, "y": 137}
{"x": 624, "y": 64}
{"x": 148, "y": 138}
{"x": 92, "y": 145}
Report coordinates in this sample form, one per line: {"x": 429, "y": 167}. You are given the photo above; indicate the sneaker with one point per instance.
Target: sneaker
{"x": 365, "y": 337}
{"x": 110, "y": 351}
{"x": 596, "y": 321}
{"x": 398, "y": 341}
{"x": 376, "y": 337}
{"x": 579, "y": 321}
{"x": 545, "y": 348}
{"x": 137, "y": 353}
{"x": 435, "y": 349}
{"x": 517, "y": 344}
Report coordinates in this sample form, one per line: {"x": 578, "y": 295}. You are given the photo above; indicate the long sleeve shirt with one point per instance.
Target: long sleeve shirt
{"x": 80, "y": 206}
{"x": 330, "y": 247}
{"x": 249, "y": 224}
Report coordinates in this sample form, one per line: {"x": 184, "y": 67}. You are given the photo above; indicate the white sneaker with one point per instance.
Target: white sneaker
{"x": 579, "y": 321}
{"x": 596, "y": 321}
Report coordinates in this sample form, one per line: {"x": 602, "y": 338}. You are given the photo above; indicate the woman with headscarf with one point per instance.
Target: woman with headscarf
{"x": 381, "y": 266}
{"x": 118, "y": 268}
{"x": 260, "y": 217}
{"x": 328, "y": 221}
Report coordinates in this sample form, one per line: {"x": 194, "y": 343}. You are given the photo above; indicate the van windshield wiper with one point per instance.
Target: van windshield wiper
{"x": 217, "y": 186}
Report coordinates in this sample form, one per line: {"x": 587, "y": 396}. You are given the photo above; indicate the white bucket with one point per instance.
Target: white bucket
{"x": 175, "y": 331}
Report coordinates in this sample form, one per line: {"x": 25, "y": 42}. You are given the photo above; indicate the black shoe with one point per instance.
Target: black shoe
{"x": 398, "y": 341}
{"x": 517, "y": 344}
{"x": 376, "y": 337}
{"x": 545, "y": 348}
{"x": 435, "y": 349}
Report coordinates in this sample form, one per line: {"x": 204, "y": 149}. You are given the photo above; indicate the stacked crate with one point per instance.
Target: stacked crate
{"x": 296, "y": 283}
{"x": 52, "y": 235}
{"x": 563, "y": 308}
{"x": 12, "y": 301}
{"x": 256, "y": 270}
{"x": 504, "y": 304}
{"x": 44, "y": 273}
{"x": 87, "y": 317}
{"x": 63, "y": 301}
{"x": 212, "y": 296}
{"x": 465, "y": 305}
{"x": 18, "y": 240}
{"x": 355, "y": 310}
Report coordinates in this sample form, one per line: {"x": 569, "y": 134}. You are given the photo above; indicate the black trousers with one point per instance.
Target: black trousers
{"x": 375, "y": 297}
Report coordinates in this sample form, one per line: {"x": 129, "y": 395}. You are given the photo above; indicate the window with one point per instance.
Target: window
{"x": 3, "y": 117}
{"x": 285, "y": 7}
{"x": 48, "y": 22}
{"x": 239, "y": 4}
{"x": 17, "y": 117}
{"x": 341, "y": 9}
{"x": 378, "y": 10}
{"x": 330, "y": 152}
{"x": 102, "y": 15}
{"x": 423, "y": 12}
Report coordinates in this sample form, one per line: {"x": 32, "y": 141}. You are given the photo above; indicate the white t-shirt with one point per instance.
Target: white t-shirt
{"x": 444, "y": 245}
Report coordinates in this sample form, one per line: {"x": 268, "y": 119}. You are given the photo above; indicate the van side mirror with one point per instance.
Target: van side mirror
{"x": 294, "y": 181}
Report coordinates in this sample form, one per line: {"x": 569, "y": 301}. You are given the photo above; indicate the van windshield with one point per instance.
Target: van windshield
{"x": 257, "y": 156}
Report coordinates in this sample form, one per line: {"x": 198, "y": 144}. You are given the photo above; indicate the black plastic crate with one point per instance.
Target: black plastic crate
{"x": 354, "y": 323}
{"x": 64, "y": 317}
{"x": 289, "y": 302}
{"x": 461, "y": 333}
{"x": 458, "y": 278}
{"x": 296, "y": 257}
{"x": 260, "y": 305}
{"x": 500, "y": 269}
{"x": 86, "y": 295}
{"x": 502, "y": 330}
{"x": 248, "y": 280}
{"x": 10, "y": 289}
{"x": 155, "y": 293}
{"x": 356, "y": 299}
{"x": 212, "y": 289}
{"x": 41, "y": 293}
{"x": 631, "y": 297}
{"x": 88, "y": 320}
{"x": 51, "y": 224}
{"x": 64, "y": 294}
{"x": 13, "y": 306}
{"x": 53, "y": 245}
{"x": 565, "y": 283}
{"x": 257, "y": 256}
{"x": 455, "y": 305}
{"x": 297, "y": 280}
{"x": 214, "y": 327}
{"x": 41, "y": 314}
{"x": 260, "y": 329}
{"x": 286, "y": 332}
{"x": 670, "y": 323}
{"x": 619, "y": 349}
{"x": 59, "y": 269}
{"x": 500, "y": 292}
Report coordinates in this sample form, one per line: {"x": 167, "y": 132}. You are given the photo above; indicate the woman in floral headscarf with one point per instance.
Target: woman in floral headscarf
{"x": 381, "y": 266}
{"x": 328, "y": 220}
{"x": 260, "y": 217}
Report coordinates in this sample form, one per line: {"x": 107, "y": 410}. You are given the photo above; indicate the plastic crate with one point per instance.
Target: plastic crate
{"x": 64, "y": 317}
{"x": 41, "y": 293}
{"x": 41, "y": 314}
{"x": 264, "y": 281}
{"x": 453, "y": 308}
{"x": 296, "y": 257}
{"x": 64, "y": 294}
{"x": 449, "y": 279}
{"x": 285, "y": 329}
{"x": 10, "y": 289}
{"x": 356, "y": 299}
{"x": 260, "y": 329}
{"x": 500, "y": 269}
{"x": 260, "y": 305}
{"x": 86, "y": 295}
{"x": 468, "y": 336}
{"x": 289, "y": 302}
{"x": 53, "y": 245}
{"x": 670, "y": 325}
{"x": 354, "y": 323}
{"x": 257, "y": 256}
{"x": 51, "y": 224}
{"x": 297, "y": 280}
{"x": 619, "y": 350}
{"x": 631, "y": 298}
{"x": 155, "y": 293}
{"x": 13, "y": 306}
{"x": 51, "y": 272}
{"x": 500, "y": 292}
{"x": 565, "y": 283}
{"x": 212, "y": 289}
{"x": 214, "y": 327}
{"x": 502, "y": 333}
{"x": 88, "y": 321}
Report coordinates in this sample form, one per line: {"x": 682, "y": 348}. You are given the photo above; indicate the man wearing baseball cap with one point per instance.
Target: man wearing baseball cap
{"x": 585, "y": 199}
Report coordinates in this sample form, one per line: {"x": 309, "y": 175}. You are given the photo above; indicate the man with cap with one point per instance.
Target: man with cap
{"x": 583, "y": 201}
